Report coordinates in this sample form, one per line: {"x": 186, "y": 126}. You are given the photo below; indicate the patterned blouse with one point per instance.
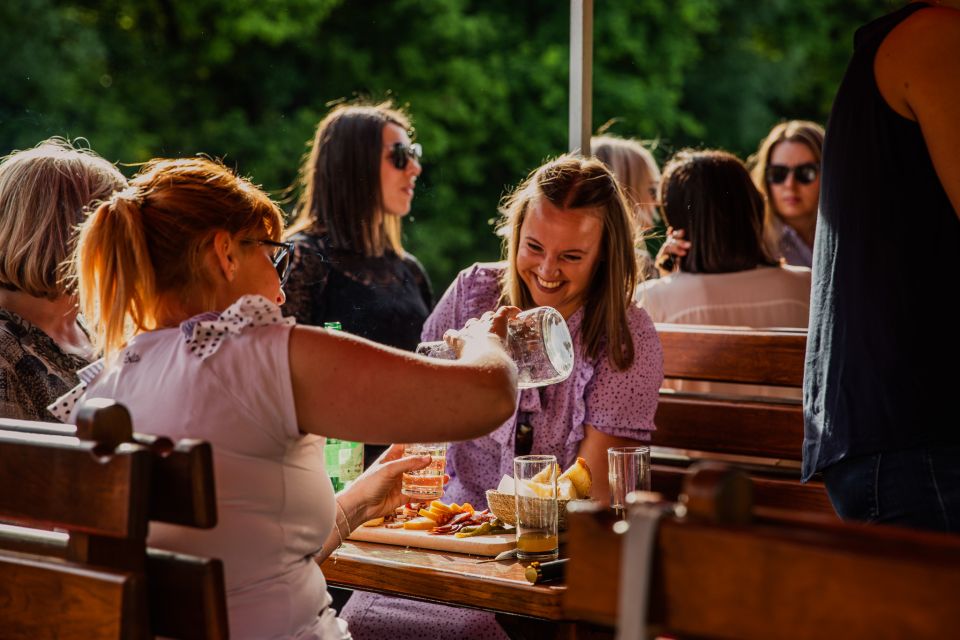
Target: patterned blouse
{"x": 617, "y": 403}
{"x": 34, "y": 370}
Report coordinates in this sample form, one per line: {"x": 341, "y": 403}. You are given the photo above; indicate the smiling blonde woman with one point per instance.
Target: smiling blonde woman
{"x": 568, "y": 244}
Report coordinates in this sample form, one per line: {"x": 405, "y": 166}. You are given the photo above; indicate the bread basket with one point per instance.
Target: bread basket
{"x": 503, "y": 506}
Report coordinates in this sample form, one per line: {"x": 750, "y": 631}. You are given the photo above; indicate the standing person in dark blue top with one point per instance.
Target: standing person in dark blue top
{"x": 879, "y": 415}
{"x": 349, "y": 265}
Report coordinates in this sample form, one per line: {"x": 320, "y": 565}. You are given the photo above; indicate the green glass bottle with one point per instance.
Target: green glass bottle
{"x": 342, "y": 458}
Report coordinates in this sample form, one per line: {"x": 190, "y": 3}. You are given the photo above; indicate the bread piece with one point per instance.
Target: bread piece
{"x": 579, "y": 474}
{"x": 565, "y": 489}
{"x": 547, "y": 474}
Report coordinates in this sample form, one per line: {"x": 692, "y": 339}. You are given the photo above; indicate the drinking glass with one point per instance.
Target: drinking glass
{"x": 536, "y": 504}
{"x": 628, "y": 469}
{"x": 538, "y": 341}
{"x": 426, "y": 483}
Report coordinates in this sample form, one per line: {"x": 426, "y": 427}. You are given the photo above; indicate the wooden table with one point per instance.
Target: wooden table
{"x": 443, "y": 577}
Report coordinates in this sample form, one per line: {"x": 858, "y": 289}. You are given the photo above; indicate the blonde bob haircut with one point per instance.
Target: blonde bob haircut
{"x": 44, "y": 192}
{"x": 587, "y": 186}
{"x": 143, "y": 251}
{"x": 801, "y": 131}
{"x": 635, "y": 169}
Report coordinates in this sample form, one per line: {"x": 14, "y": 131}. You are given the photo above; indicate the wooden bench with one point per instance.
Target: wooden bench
{"x": 76, "y": 503}
{"x": 723, "y": 571}
{"x": 759, "y": 433}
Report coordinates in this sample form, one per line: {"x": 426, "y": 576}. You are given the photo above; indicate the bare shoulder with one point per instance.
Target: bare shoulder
{"x": 919, "y": 59}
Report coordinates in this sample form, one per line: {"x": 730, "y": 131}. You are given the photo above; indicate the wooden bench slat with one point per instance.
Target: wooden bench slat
{"x": 48, "y": 598}
{"x": 57, "y": 484}
{"x": 185, "y": 595}
{"x": 767, "y": 430}
{"x": 729, "y": 354}
{"x": 773, "y": 579}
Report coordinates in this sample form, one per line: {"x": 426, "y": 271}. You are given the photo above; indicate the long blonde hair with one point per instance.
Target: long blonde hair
{"x": 802, "y": 131}
{"x": 144, "y": 248}
{"x": 572, "y": 182}
{"x": 44, "y": 193}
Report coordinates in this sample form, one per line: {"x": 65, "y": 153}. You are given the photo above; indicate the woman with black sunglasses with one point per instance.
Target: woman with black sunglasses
{"x": 786, "y": 170}
{"x": 349, "y": 265}
{"x": 727, "y": 277}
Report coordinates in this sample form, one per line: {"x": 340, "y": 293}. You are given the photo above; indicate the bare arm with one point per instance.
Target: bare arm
{"x": 918, "y": 75}
{"x": 375, "y": 493}
{"x": 593, "y": 449}
{"x": 351, "y": 388}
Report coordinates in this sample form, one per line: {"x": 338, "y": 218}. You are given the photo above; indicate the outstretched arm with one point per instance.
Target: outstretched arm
{"x": 351, "y": 388}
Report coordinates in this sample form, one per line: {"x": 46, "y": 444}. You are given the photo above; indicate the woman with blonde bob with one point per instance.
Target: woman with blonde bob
{"x": 43, "y": 194}
{"x": 180, "y": 276}
{"x": 638, "y": 174}
{"x": 786, "y": 169}
{"x": 568, "y": 244}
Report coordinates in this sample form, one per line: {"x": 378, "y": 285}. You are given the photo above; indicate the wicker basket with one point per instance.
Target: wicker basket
{"x": 503, "y": 505}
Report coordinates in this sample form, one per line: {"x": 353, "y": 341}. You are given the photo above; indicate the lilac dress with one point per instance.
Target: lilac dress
{"x": 618, "y": 403}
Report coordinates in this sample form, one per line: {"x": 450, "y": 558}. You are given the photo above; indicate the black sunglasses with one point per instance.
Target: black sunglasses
{"x": 804, "y": 173}
{"x": 280, "y": 256}
{"x": 401, "y": 154}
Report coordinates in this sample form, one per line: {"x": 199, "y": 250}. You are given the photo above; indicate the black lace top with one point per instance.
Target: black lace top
{"x": 385, "y": 299}
{"x": 34, "y": 370}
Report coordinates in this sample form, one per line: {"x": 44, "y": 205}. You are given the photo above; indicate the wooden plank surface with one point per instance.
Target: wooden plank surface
{"x": 768, "y": 492}
{"x": 479, "y": 545}
{"x": 443, "y": 577}
{"x": 773, "y": 579}
{"x": 48, "y": 598}
{"x": 733, "y": 427}
{"x": 59, "y": 482}
{"x": 730, "y": 354}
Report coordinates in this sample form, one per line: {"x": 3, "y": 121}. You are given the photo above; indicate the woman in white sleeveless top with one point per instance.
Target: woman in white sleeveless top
{"x": 180, "y": 276}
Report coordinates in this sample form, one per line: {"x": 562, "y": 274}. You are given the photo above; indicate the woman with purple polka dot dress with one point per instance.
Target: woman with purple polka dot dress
{"x": 568, "y": 242}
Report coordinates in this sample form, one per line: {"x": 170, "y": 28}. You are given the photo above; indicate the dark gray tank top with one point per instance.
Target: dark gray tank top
{"x": 884, "y": 346}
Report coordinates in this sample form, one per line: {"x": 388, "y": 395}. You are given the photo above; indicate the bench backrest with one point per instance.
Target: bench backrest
{"x": 717, "y": 578}
{"x": 77, "y": 502}
{"x": 761, "y": 432}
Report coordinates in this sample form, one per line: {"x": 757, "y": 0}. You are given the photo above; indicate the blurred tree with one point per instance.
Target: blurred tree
{"x": 486, "y": 83}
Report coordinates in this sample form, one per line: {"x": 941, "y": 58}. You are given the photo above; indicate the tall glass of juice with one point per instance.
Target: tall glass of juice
{"x": 536, "y": 504}
{"x": 426, "y": 483}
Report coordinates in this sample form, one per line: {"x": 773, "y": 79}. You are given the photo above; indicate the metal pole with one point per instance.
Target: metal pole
{"x": 581, "y": 75}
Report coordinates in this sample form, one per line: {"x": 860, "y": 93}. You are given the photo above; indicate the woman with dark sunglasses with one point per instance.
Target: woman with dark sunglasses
{"x": 178, "y": 280}
{"x": 348, "y": 264}
{"x": 727, "y": 277}
{"x": 786, "y": 170}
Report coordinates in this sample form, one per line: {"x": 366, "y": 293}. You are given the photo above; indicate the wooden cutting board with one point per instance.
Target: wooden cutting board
{"x": 479, "y": 545}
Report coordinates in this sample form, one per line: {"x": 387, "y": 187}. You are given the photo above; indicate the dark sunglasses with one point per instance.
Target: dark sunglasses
{"x": 804, "y": 173}
{"x": 280, "y": 256}
{"x": 401, "y": 154}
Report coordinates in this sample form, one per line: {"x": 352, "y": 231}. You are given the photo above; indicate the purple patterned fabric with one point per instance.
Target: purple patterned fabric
{"x": 794, "y": 250}
{"x": 620, "y": 403}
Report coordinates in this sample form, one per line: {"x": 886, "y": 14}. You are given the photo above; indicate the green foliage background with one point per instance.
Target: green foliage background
{"x": 485, "y": 80}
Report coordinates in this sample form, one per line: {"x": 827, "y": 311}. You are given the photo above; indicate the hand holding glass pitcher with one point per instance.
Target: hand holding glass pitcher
{"x": 537, "y": 340}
